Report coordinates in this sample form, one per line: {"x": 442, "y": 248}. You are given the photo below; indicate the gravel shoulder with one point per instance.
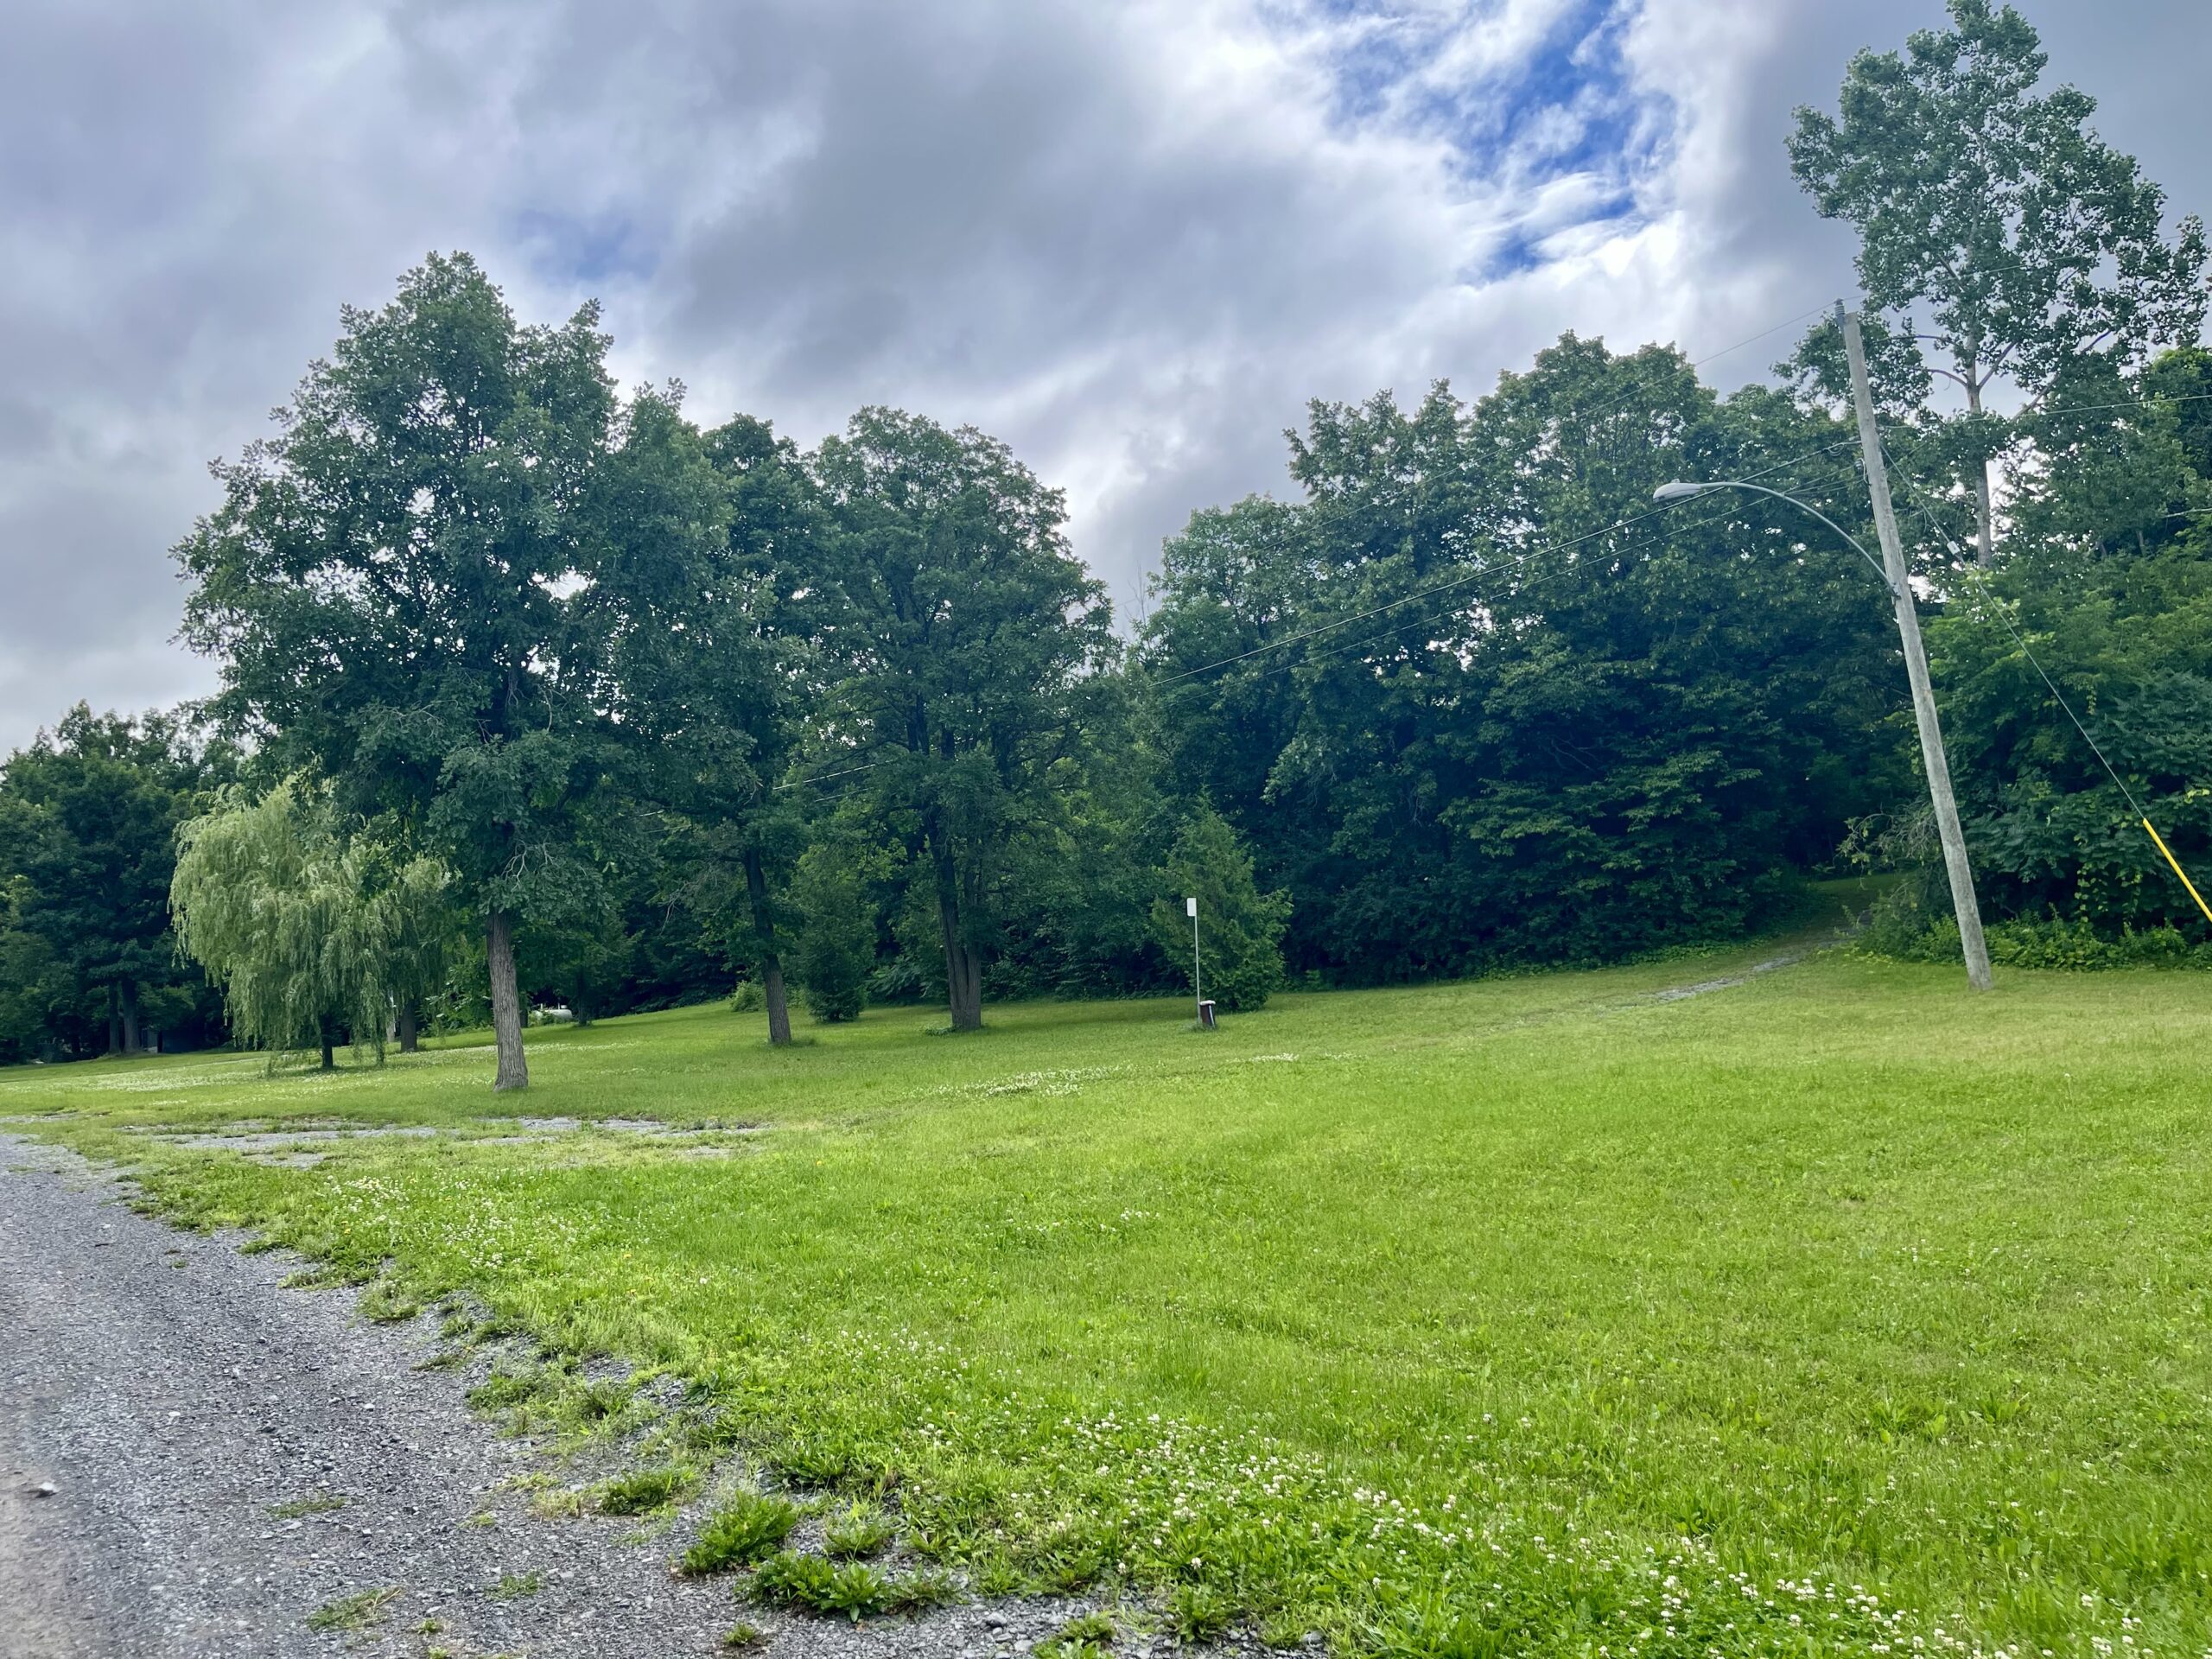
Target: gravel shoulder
{"x": 172, "y": 1395}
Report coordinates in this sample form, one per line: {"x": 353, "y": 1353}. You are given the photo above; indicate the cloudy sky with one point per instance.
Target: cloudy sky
{"x": 1132, "y": 236}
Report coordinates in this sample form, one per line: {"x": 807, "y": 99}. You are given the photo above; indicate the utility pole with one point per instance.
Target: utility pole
{"x": 1915, "y": 664}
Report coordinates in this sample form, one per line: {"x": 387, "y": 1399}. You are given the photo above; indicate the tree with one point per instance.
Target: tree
{"x": 964, "y": 658}
{"x": 1470, "y": 703}
{"x": 837, "y": 935}
{"x": 707, "y": 587}
{"x": 281, "y": 912}
{"x": 2030, "y": 241}
{"x": 87, "y": 813}
{"x": 392, "y": 587}
{"x": 1240, "y": 928}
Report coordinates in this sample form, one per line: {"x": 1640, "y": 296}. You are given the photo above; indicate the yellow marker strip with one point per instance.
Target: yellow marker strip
{"x": 2180, "y": 871}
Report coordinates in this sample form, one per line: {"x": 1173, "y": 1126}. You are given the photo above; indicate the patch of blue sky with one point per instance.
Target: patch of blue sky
{"x": 570, "y": 248}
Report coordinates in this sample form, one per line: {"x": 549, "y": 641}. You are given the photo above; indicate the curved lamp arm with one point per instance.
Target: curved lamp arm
{"x": 1682, "y": 492}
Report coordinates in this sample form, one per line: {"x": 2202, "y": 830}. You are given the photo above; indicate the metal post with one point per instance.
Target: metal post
{"x": 1975, "y": 948}
{"x": 1198, "y": 990}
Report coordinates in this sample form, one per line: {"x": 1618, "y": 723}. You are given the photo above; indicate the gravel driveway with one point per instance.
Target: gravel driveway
{"x": 172, "y": 1396}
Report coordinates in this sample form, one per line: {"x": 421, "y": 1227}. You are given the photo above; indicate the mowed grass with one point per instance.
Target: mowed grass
{"x": 1836, "y": 1310}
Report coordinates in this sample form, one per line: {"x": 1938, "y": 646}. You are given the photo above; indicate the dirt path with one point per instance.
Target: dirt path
{"x": 173, "y": 1395}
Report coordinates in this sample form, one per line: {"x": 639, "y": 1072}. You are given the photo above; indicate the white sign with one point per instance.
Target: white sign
{"x": 1190, "y": 908}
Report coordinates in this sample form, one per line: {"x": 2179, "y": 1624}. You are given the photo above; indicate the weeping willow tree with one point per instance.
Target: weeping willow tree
{"x": 308, "y": 933}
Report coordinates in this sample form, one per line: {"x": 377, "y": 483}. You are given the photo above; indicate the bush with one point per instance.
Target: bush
{"x": 836, "y": 939}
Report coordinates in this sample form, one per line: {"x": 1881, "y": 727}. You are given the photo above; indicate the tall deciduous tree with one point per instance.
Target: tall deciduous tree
{"x": 968, "y": 634}
{"x": 2027, "y": 239}
{"x": 706, "y": 586}
{"x": 392, "y": 585}
{"x": 87, "y": 813}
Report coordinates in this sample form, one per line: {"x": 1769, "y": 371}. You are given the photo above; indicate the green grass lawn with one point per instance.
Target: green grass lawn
{"x": 1840, "y": 1310}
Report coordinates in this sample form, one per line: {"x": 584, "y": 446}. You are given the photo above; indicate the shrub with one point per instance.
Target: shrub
{"x": 1241, "y": 928}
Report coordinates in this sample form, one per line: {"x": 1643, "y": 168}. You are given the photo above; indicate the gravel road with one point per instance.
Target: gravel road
{"x": 171, "y": 1394}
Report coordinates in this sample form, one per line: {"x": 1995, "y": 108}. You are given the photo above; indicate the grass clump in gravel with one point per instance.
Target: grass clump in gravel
{"x": 354, "y": 1612}
{"x": 1090, "y": 1637}
{"x": 789, "y": 1578}
{"x": 385, "y": 1303}
{"x": 742, "y": 1636}
{"x": 747, "y": 1527}
{"x": 856, "y": 1530}
{"x": 313, "y": 1503}
{"x": 515, "y": 1586}
{"x": 1200, "y": 1612}
{"x": 641, "y": 1491}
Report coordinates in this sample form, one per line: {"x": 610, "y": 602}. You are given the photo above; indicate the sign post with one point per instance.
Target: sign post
{"x": 1197, "y": 992}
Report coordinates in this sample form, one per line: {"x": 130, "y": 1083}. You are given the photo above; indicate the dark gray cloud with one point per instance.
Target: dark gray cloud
{"x": 1132, "y": 239}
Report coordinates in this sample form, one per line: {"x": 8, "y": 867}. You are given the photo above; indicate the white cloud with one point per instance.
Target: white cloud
{"x": 1132, "y": 241}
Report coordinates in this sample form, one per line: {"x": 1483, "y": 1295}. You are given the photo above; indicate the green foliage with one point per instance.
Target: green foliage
{"x": 856, "y": 1529}
{"x": 287, "y": 916}
{"x": 642, "y": 1491}
{"x": 1081, "y": 1223}
{"x": 972, "y": 638}
{"x": 1626, "y": 744}
{"x": 792, "y": 1580}
{"x": 395, "y": 588}
{"x": 1088, "y": 1635}
{"x": 836, "y": 939}
{"x": 1240, "y": 928}
{"x": 742, "y": 1531}
{"x": 88, "y": 814}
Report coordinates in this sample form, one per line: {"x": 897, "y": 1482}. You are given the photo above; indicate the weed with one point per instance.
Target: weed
{"x": 747, "y": 1527}
{"x": 515, "y": 1586}
{"x": 1199, "y": 1612}
{"x": 641, "y": 1490}
{"x": 858, "y": 1529}
{"x": 557, "y": 1502}
{"x": 313, "y": 1503}
{"x": 261, "y": 1244}
{"x": 503, "y": 1390}
{"x": 915, "y": 1592}
{"x": 1091, "y": 1636}
{"x": 384, "y": 1303}
{"x": 811, "y": 1582}
{"x": 353, "y": 1613}
{"x": 744, "y": 1636}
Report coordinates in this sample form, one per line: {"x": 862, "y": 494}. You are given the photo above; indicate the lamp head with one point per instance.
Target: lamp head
{"x": 1678, "y": 491}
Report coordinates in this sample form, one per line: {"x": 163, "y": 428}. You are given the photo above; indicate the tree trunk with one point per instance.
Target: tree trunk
{"x": 772, "y": 961}
{"x": 409, "y": 1038}
{"x": 131, "y": 1044}
{"x": 1985, "y": 511}
{"x": 506, "y": 1004}
{"x": 329, "y": 1046}
{"x": 114, "y": 1018}
{"x": 963, "y": 965}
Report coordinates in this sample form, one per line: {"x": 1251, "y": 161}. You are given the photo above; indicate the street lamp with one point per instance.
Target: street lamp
{"x": 1963, "y": 904}
{"x": 1679, "y": 491}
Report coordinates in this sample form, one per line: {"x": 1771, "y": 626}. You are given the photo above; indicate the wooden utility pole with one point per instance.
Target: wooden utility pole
{"x": 1975, "y": 947}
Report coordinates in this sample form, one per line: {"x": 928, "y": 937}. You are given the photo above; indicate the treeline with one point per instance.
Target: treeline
{"x": 534, "y": 692}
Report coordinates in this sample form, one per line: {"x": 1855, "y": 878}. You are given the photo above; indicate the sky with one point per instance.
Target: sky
{"x": 1132, "y": 237}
